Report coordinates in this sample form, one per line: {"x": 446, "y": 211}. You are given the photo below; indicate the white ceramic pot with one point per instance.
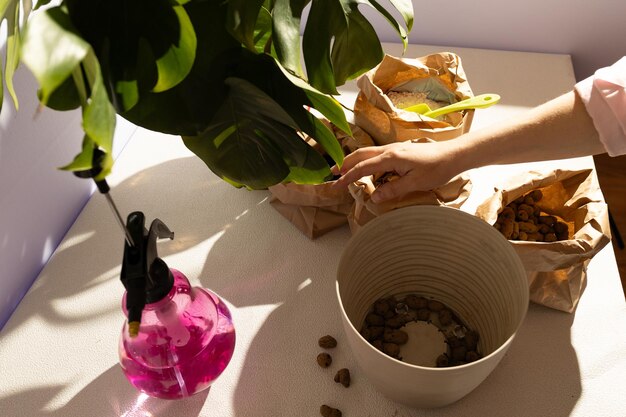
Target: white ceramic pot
{"x": 444, "y": 254}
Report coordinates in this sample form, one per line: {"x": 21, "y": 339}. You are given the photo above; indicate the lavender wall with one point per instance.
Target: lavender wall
{"x": 592, "y": 32}
{"x": 38, "y": 202}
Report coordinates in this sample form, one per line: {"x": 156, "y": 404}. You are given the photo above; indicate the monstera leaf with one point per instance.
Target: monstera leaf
{"x": 338, "y": 43}
{"x": 294, "y": 96}
{"x": 187, "y": 108}
{"x": 252, "y": 141}
{"x": 143, "y": 45}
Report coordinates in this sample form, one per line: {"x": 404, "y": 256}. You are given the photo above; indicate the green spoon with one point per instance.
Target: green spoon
{"x": 478, "y": 102}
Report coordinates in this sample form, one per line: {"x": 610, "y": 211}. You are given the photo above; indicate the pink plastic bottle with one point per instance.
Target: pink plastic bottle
{"x": 185, "y": 336}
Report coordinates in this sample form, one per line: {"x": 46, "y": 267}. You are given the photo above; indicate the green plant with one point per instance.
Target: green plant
{"x": 226, "y": 75}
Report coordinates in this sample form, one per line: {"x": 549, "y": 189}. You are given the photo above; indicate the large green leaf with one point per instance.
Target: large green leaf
{"x": 98, "y": 118}
{"x": 4, "y": 5}
{"x": 286, "y": 19}
{"x": 253, "y": 141}
{"x": 358, "y": 38}
{"x": 339, "y": 43}
{"x": 99, "y": 114}
{"x": 10, "y": 11}
{"x": 1, "y": 90}
{"x": 293, "y": 95}
{"x": 263, "y": 31}
{"x": 143, "y": 45}
{"x": 84, "y": 160}
{"x": 325, "y": 21}
{"x": 330, "y": 108}
{"x": 323, "y": 103}
{"x": 12, "y": 48}
{"x": 242, "y": 20}
{"x": 64, "y": 97}
{"x": 51, "y": 49}
{"x": 187, "y": 108}
{"x": 405, "y": 7}
{"x": 176, "y": 63}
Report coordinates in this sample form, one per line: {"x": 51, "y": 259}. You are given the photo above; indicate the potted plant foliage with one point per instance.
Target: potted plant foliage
{"x": 226, "y": 75}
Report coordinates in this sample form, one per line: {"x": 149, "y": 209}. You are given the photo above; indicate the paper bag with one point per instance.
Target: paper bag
{"x": 318, "y": 208}
{"x": 557, "y": 270}
{"x": 440, "y": 76}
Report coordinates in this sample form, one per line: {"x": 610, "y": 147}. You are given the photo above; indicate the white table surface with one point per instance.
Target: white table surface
{"x": 58, "y": 352}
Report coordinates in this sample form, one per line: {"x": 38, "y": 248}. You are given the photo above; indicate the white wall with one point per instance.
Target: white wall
{"x": 592, "y": 32}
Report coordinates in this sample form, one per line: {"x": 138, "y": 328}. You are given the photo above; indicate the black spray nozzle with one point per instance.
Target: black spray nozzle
{"x": 145, "y": 276}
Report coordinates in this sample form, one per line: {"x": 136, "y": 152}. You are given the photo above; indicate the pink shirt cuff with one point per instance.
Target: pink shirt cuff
{"x": 604, "y": 96}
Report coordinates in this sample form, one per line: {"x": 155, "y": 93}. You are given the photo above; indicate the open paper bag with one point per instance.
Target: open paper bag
{"x": 439, "y": 76}
{"x": 557, "y": 270}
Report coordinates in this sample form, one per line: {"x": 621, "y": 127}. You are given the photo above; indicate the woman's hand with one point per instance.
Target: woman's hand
{"x": 421, "y": 167}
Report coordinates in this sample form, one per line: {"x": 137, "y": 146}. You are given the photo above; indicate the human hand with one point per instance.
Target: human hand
{"x": 421, "y": 167}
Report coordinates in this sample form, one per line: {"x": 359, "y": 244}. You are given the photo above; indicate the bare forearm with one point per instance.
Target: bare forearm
{"x": 558, "y": 129}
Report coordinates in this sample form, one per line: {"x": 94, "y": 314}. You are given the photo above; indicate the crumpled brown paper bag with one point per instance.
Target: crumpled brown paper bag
{"x": 316, "y": 209}
{"x": 557, "y": 270}
{"x": 441, "y": 74}
{"x": 452, "y": 194}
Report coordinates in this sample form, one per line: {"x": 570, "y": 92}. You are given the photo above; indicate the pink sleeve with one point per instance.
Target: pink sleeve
{"x": 604, "y": 95}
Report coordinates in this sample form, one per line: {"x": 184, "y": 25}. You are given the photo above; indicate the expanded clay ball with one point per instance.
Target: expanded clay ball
{"x": 445, "y": 317}
{"x": 415, "y": 302}
{"x": 391, "y": 349}
{"x": 395, "y": 322}
{"x": 374, "y": 319}
{"x": 423, "y": 314}
{"x": 327, "y": 342}
{"x": 382, "y": 307}
{"x": 327, "y": 411}
{"x": 434, "y": 305}
{"x": 395, "y": 336}
{"x": 324, "y": 360}
{"x": 471, "y": 340}
{"x": 443, "y": 361}
{"x": 343, "y": 377}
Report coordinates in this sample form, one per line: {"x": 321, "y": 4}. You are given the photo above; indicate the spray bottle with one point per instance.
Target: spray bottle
{"x": 178, "y": 339}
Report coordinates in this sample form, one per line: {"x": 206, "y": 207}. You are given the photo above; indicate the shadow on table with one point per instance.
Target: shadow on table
{"x": 110, "y": 394}
{"x": 92, "y": 257}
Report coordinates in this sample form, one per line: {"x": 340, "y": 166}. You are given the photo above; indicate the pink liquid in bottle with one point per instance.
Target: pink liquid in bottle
{"x": 185, "y": 341}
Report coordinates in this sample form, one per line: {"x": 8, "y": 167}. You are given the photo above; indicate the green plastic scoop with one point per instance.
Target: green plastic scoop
{"x": 478, "y": 102}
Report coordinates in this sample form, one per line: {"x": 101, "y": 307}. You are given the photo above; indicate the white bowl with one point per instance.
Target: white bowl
{"x": 444, "y": 254}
